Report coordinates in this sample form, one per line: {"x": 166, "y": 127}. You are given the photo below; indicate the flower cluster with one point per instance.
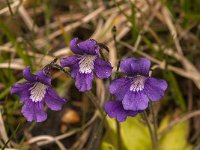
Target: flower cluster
{"x": 132, "y": 93}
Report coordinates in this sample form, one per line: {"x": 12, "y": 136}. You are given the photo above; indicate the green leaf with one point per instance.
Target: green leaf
{"x": 176, "y": 138}
{"x": 176, "y": 92}
{"x": 133, "y": 21}
{"x": 134, "y": 135}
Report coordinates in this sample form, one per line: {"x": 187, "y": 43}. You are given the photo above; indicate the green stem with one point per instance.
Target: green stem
{"x": 118, "y": 136}
{"x": 94, "y": 100}
{"x": 9, "y": 7}
{"x": 7, "y": 142}
{"x": 154, "y": 124}
{"x": 150, "y": 130}
{"x": 99, "y": 130}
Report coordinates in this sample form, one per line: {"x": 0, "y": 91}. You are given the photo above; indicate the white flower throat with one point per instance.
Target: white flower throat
{"x": 38, "y": 92}
{"x": 138, "y": 83}
{"x": 86, "y": 64}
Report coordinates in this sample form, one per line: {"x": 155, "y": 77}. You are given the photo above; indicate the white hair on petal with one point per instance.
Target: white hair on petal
{"x": 38, "y": 91}
{"x": 86, "y": 64}
{"x": 138, "y": 83}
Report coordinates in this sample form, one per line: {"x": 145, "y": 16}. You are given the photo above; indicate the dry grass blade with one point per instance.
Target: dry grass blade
{"x": 172, "y": 29}
{"x": 27, "y": 19}
{"x": 3, "y": 134}
{"x": 163, "y": 65}
{"x": 40, "y": 142}
{"x": 13, "y": 5}
{"x": 180, "y": 119}
{"x": 48, "y": 138}
{"x": 189, "y": 67}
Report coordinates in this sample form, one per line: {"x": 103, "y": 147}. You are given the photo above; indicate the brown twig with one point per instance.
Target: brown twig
{"x": 183, "y": 118}
{"x": 46, "y": 139}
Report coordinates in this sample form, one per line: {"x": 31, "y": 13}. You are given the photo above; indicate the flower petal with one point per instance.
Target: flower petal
{"x": 72, "y": 62}
{"x": 102, "y": 68}
{"x": 135, "y": 101}
{"x": 53, "y": 101}
{"x": 43, "y": 77}
{"x": 74, "y": 70}
{"x": 21, "y": 89}
{"x": 84, "y": 81}
{"x": 155, "y": 88}
{"x": 89, "y": 47}
{"x": 119, "y": 87}
{"x": 69, "y": 61}
{"x": 34, "y": 111}
{"x": 40, "y": 76}
{"x": 134, "y": 66}
{"x": 74, "y": 46}
{"x": 28, "y": 75}
{"x": 115, "y": 109}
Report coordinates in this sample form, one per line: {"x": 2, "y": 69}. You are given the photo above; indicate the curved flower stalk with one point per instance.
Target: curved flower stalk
{"x": 134, "y": 91}
{"x": 34, "y": 93}
{"x": 85, "y": 63}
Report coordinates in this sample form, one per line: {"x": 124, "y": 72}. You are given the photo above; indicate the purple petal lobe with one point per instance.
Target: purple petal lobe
{"x": 135, "y": 101}
{"x": 72, "y": 62}
{"x": 102, "y": 68}
{"x": 74, "y": 46}
{"x": 21, "y": 89}
{"x": 74, "y": 70}
{"x": 43, "y": 77}
{"x": 119, "y": 87}
{"x": 89, "y": 47}
{"x": 69, "y": 61}
{"x": 84, "y": 81}
{"x": 155, "y": 88}
{"x": 28, "y": 75}
{"x": 34, "y": 111}
{"x": 53, "y": 101}
{"x": 134, "y": 66}
{"x": 115, "y": 109}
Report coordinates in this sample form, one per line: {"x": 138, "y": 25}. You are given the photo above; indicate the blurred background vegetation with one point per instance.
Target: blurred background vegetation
{"x": 34, "y": 32}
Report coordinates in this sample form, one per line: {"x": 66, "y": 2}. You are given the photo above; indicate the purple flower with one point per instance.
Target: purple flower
{"x": 34, "y": 93}
{"x": 115, "y": 109}
{"x": 135, "y": 90}
{"x": 85, "y": 62}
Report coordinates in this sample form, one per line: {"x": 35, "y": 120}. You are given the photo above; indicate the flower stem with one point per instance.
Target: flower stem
{"x": 150, "y": 130}
{"x": 118, "y": 136}
{"x": 154, "y": 123}
{"x": 99, "y": 130}
{"x": 94, "y": 100}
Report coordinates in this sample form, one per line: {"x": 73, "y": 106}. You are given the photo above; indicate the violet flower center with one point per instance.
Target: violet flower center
{"x": 138, "y": 83}
{"x": 37, "y": 92}
{"x": 86, "y": 64}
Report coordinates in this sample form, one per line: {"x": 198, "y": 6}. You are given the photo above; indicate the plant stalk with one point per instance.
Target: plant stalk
{"x": 150, "y": 131}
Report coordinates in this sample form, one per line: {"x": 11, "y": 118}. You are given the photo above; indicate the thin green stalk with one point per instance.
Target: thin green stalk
{"x": 114, "y": 32}
{"x": 118, "y": 136}
{"x": 4, "y": 147}
{"x": 150, "y": 130}
{"x": 154, "y": 123}
{"x": 9, "y": 7}
{"x": 95, "y": 102}
{"x": 100, "y": 127}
